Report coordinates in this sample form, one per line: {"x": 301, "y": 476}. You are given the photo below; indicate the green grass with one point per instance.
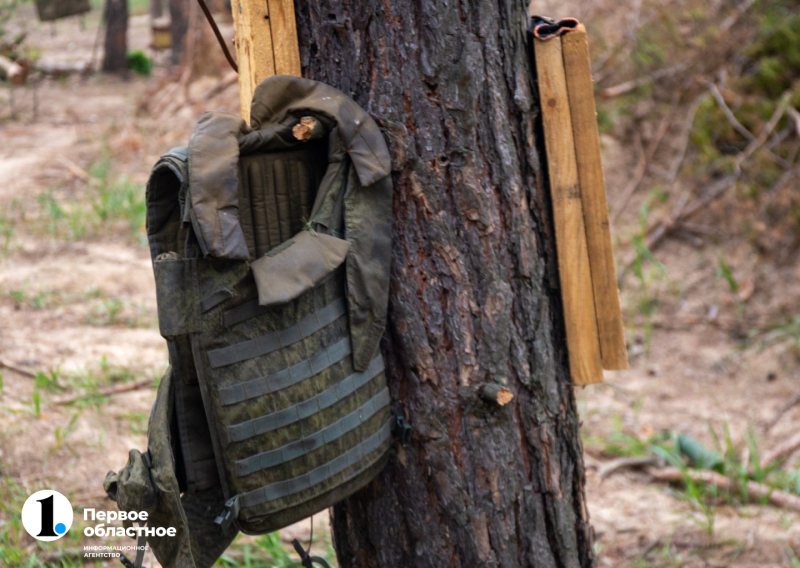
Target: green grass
{"x": 7, "y": 228}
{"x": 648, "y": 272}
{"x": 270, "y": 552}
{"x": 725, "y": 457}
{"x": 136, "y": 420}
{"x": 110, "y": 201}
{"x": 61, "y": 435}
{"x": 103, "y": 311}
{"x": 84, "y": 382}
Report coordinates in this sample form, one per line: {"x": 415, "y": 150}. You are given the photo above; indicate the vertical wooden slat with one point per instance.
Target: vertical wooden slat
{"x": 573, "y": 258}
{"x": 284, "y": 37}
{"x": 577, "y": 68}
{"x": 266, "y": 44}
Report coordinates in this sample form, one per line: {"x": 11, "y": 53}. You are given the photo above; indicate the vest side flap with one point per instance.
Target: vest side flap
{"x": 214, "y": 177}
{"x": 297, "y": 266}
{"x": 177, "y": 296}
{"x": 169, "y": 176}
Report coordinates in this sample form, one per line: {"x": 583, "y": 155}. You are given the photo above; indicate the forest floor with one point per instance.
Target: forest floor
{"x": 77, "y": 306}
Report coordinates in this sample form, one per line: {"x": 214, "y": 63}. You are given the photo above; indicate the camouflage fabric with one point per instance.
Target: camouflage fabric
{"x": 271, "y": 260}
{"x": 279, "y": 103}
{"x": 285, "y": 272}
{"x": 154, "y": 488}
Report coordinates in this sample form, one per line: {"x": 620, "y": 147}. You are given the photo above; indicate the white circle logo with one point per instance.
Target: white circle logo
{"x": 47, "y": 515}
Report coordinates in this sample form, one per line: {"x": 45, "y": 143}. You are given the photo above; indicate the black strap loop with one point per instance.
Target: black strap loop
{"x": 141, "y": 544}
{"x": 401, "y": 430}
{"x": 306, "y": 560}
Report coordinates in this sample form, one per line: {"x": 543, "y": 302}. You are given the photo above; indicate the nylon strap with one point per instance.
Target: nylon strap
{"x": 252, "y": 308}
{"x": 276, "y": 340}
{"x": 141, "y": 544}
{"x": 266, "y": 460}
{"x": 216, "y": 299}
{"x": 287, "y": 377}
{"x": 316, "y": 476}
{"x": 328, "y": 397}
{"x": 244, "y": 312}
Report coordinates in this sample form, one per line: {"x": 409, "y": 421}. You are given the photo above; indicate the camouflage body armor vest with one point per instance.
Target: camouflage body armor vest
{"x": 271, "y": 259}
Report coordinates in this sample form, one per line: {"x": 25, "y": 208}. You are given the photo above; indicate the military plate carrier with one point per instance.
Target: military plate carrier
{"x": 271, "y": 260}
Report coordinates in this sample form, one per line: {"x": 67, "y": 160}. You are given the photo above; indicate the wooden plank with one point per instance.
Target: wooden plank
{"x": 577, "y": 67}
{"x": 266, "y": 44}
{"x": 573, "y": 258}
{"x": 254, "y": 53}
{"x": 284, "y": 37}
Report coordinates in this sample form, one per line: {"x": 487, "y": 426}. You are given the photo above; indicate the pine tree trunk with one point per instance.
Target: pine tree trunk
{"x": 156, "y": 9}
{"x": 179, "y": 24}
{"x": 474, "y": 296}
{"x": 115, "y": 59}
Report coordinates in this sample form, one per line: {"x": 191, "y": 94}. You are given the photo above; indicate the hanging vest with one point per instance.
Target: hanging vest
{"x": 271, "y": 260}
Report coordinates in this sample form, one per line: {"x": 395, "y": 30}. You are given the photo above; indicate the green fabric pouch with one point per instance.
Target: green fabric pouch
{"x": 296, "y": 266}
{"x": 177, "y": 295}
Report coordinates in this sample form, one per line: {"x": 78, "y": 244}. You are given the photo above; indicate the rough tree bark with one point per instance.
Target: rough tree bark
{"x": 115, "y": 58}
{"x": 474, "y": 296}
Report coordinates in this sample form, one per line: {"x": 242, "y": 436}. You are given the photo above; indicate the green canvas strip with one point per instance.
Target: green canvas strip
{"x": 251, "y": 308}
{"x": 216, "y": 299}
{"x": 273, "y": 341}
{"x": 244, "y": 312}
{"x": 329, "y": 397}
{"x": 287, "y": 377}
{"x": 266, "y": 460}
{"x": 352, "y": 457}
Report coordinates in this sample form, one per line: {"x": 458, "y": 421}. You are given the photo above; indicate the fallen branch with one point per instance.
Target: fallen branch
{"x": 661, "y": 229}
{"x": 646, "y": 157}
{"x": 106, "y": 391}
{"x": 783, "y": 449}
{"x": 60, "y": 68}
{"x": 687, "y": 131}
{"x": 612, "y": 467}
{"x": 629, "y": 86}
{"x": 73, "y": 168}
{"x": 729, "y": 22}
{"x": 638, "y": 175}
{"x": 223, "y": 84}
{"x": 14, "y": 72}
{"x": 781, "y": 411}
{"x": 19, "y": 370}
{"x": 795, "y": 117}
{"x": 729, "y": 113}
{"x": 756, "y": 143}
{"x": 774, "y": 497}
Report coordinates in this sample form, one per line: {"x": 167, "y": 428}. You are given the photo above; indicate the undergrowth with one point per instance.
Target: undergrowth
{"x": 114, "y": 203}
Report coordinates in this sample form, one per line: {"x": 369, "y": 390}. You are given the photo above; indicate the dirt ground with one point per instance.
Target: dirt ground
{"x": 77, "y": 302}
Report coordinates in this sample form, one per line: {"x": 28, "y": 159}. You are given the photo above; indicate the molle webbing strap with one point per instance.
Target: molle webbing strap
{"x": 329, "y": 397}
{"x": 244, "y": 312}
{"x": 251, "y": 309}
{"x": 213, "y": 300}
{"x": 278, "y": 339}
{"x": 324, "y": 472}
{"x": 287, "y": 377}
{"x": 266, "y": 460}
